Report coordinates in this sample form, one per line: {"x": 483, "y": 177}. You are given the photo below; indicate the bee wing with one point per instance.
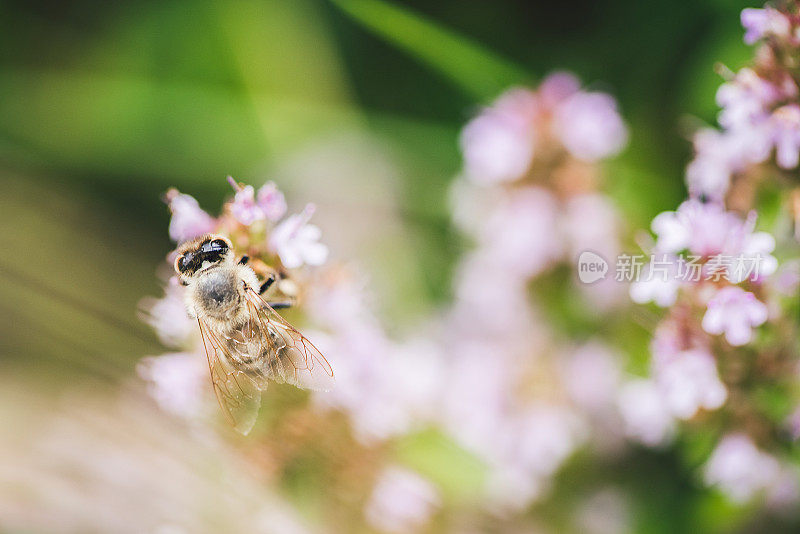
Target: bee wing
{"x": 293, "y": 358}
{"x": 239, "y": 394}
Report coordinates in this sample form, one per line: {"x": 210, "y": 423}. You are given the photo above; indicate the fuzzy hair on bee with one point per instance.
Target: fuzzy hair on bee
{"x": 246, "y": 342}
{"x": 215, "y": 282}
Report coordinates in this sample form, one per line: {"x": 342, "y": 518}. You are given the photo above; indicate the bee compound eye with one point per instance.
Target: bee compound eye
{"x": 185, "y": 261}
{"x": 216, "y": 247}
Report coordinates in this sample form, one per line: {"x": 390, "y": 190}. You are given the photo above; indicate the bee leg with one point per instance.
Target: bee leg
{"x": 243, "y": 260}
{"x": 282, "y": 304}
{"x": 267, "y": 283}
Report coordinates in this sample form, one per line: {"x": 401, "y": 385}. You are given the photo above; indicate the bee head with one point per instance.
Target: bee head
{"x": 200, "y": 254}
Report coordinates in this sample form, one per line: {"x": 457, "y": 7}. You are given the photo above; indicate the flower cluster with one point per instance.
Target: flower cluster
{"x": 760, "y": 116}
{"x": 384, "y": 388}
{"x": 253, "y": 222}
{"x": 728, "y": 322}
{"x": 519, "y": 397}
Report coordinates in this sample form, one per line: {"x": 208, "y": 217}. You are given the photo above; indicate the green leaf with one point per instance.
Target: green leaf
{"x": 480, "y": 72}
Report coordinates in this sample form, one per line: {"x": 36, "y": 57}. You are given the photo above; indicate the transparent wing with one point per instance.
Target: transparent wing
{"x": 239, "y": 394}
{"x": 292, "y": 358}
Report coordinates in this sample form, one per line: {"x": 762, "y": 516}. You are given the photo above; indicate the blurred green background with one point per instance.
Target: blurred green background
{"x": 103, "y": 106}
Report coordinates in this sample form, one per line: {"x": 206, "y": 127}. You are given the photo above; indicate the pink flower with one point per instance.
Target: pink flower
{"x": 591, "y": 376}
{"x": 498, "y": 144}
{"x": 297, "y": 243}
{"x": 689, "y": 381}
{"x": 644, "y": 412}
{"x": 658, "y": 282}
{"x": 244, "y": 207}
{"x": 745, "y": 99}
{"x": 718, "y": 155}
{"x": 734, "y": 312}
{"x": 760, "y": 23}
{"x": 589, "y": 126}
{"x": 168, "y": 316}
{"x": 702, "y": 228}
{"x": 188, "y": 219}
{"x": 606, "y": 512}
{"x": 271, "y": 204}
{"x": 402, "y": 501}
{"x": 739, "y": 469}
{"x": 793, "y": 423}
{"x": 557, "y": 87}
{"x": 527, "y": 447}
{"x": 271, "y": 201}
{"x": 384, "y": 387}
{"x": 706, "y": 229}
{"x": 522, "y": 233}
{"x": 178, "y": 382}
{"x": 785, "y": 122}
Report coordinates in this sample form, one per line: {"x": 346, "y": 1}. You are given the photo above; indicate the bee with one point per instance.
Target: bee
{"x": 245, "y": 340}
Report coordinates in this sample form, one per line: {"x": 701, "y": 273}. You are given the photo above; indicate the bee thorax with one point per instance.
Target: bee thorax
{"x": 217, "y": 294}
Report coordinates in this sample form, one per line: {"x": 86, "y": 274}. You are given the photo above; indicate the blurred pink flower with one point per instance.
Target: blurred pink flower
{"x": 557, "y": 87}
{"x": 188, "y": 219}
{"x": 745, "y": 99}
{"x": 702, "y": 228}
{"x": 244, "y": 207}
{"x": 689, "y": 381}
{"x": 385, "y": 388}
{"x": 269, "y": 204}
{"x": 785, "y": 123}
{"x": 498, "y": 144}
{"x": 511, "y": 489}
{"x": 168, "y": 316}
{"x": 645, "y": 413}
{"x": 401, "y": 501}
{"x": 522, "y": 234}
{"x": 787, "y": 279}
{"x": 591, "y": 376}
{"x": 707, "y": 229}
{"x": 719, "y": 155}
{"x": 760, "y": 23}
{"x": 605, "y": 512}
{"x": 296, "y": 242}
{"x": 477, "y": 395}
{"x": 542, "y": 436}
{"x": 589, "y": 126}
{"x": 177, "y": 382}
{"x": 527, "y": 447}
{"x": 739, "y": 469}
{"x": 500, "y": 307}
{"x": 658, "y": 282}
{"x": 592, "y": 223}
{"x": 734, "y": 312}
{"x": 271, "y": 201}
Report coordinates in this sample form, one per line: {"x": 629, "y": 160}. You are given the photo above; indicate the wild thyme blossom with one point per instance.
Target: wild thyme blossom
{"x": 188, "y": 219}
{"x": 760, "y": 115}
{"x": 270, "y": 204}
{"x": 296, "y": 242}
{"x": 715, "y": 304}
{"x": 386, "y": 388}
{"x": 180, "y": 381}
{"x": 500, "y": 144}
{"x": 402, "y": 501}
{"x": 516, "y": 397}
{"x": 739, "y": 469}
